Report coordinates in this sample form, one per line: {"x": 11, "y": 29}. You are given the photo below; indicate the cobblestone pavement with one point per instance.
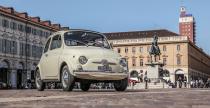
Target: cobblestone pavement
{"x": 158, "y": 98}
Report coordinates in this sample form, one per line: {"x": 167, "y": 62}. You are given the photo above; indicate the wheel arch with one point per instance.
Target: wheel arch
{"x": 38, "y": 67}
{"x": 64, "y": 63}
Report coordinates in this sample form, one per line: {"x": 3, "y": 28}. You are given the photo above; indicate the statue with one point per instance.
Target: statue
{"x": 154, "y": 50}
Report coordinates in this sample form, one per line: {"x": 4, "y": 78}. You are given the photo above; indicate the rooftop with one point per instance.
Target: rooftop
{"x": 23, "y": 16}
{"x": 139, "y": 34}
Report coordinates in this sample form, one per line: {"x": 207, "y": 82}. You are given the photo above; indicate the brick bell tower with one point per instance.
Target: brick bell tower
{"x": 187, "y": 25}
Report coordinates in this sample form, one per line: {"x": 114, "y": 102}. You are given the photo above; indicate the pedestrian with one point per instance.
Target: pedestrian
{"x": 185, "y": 81}
{"x": 146, "y": 82}
{"x": 180, "y": 82}
{"x": 191, "y": 84}
{"x": 196, "y": 83}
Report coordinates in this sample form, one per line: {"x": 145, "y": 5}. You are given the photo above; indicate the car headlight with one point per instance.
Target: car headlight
{"x": 83, "y": 60}
{"x": 123, "y": 63}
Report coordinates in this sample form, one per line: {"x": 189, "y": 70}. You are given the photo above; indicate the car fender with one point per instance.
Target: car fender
{"x": 65, "y": 60}
{"x": 38, "y": 67}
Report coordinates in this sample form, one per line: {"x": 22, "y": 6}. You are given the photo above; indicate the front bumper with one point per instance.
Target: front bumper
{"x": 100, "y": 75}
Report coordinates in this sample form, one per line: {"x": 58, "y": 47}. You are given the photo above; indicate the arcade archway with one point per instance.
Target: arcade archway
{"x": 4, "y": 72}
{"x": 179, "y": 73}
{"x": 134, "y": 74}
{"x": 20, "y": 75}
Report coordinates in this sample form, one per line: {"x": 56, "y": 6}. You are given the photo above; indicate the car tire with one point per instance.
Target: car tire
{"x": 67, "y": 79}
{"x": 84, "y": 85}
{"x": 40, "y": 85}
{"x": 121, "y": 85}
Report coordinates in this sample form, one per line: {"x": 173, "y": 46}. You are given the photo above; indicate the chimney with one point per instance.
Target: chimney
{"x": 35, "y": 19}
{"x": 47, "y": 23}
{"x": 57, "y": 26}
{"x": 9, "y": 10}
{"x": 23, "y": 15}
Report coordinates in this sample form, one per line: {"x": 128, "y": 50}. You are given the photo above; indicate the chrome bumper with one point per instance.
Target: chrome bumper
{"x": 100, "y": 75}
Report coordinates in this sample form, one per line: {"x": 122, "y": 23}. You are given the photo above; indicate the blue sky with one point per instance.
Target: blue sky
{"x": 119, "y": 15}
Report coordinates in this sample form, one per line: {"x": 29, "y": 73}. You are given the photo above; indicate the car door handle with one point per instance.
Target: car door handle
{"x": 46, "y": 55}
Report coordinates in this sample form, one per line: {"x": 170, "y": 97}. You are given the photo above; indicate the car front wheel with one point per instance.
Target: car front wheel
{"x": 67, "y": 79}
{"x": 40, "y": 85}
{"x": 121, "y": 85}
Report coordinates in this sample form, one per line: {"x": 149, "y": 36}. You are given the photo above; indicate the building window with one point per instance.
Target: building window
{"x": 46, "y": 34}
{"x": 34, "y": 51}
{"x": 20, "y": 27}
{"x": 40, "y": 50}
{"x": 141, "y": 49}
{"x": 141, "y": 62}
{"x": 164, "y": 61}
{"x": 133, "y": 49}
{"x": 4, "y": 45}
{"x": 5, "y": 23}
{"x": 14, "y": 47}
{"x": 178, "y": 60}
{"x": 118, "y": 50}
{"x": 34, "y": 31}
{"x": 164, "y": 48}
{"x": 22, "y": 49}
{"x": 41, "y": 33}
{"x": 13, "y": 25}
{"x": 28, "y": 50}
{"x": 8, "y": 46}
{"x": 28, "y": 29}
{"x": 126, "y": 50}
{"x": 133, "y": 61}
{"x": 178, "y": 47}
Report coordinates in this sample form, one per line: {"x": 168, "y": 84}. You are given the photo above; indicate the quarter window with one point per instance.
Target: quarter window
{"x": 56, "y": 42}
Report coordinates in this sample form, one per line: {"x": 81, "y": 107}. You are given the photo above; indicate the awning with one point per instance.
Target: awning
{"x": 179, "y": 72}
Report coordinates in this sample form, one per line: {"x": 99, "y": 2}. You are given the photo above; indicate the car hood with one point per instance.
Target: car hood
{"x": 92, "y": 52}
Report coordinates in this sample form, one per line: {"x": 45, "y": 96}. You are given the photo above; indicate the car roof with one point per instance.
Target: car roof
{"x": 64, "y": 31}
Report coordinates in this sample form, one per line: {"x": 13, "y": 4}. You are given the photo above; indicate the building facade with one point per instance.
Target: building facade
{"x": 187, "y": 25}
{"x": 179, "y": 55}
{"x": 21, "y": 42}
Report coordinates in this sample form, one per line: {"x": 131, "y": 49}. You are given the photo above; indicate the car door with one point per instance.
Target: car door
{"x": 44, "y": 63}
{"x": 55, "y": 51}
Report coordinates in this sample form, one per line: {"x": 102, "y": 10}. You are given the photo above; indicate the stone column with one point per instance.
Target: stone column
{"x": 13, "y": 77}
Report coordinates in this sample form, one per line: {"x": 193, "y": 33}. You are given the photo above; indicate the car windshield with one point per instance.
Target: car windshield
{"x": 81, "y": 38}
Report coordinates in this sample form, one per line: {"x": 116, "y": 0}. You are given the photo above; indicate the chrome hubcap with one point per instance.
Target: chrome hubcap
{"x": 38, "y": 79}
{"x": 65, "y": 78}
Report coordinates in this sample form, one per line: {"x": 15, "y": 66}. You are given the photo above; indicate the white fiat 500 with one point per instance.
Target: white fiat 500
{"x": 80, "y": 56}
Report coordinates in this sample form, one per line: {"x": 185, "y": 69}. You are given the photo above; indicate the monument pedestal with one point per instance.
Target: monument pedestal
{"x": 153, "y": 71}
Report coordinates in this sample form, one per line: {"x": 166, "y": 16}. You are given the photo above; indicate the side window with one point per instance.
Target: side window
{"x": 56, "y": 42}
{"x": 47, "y": 46}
